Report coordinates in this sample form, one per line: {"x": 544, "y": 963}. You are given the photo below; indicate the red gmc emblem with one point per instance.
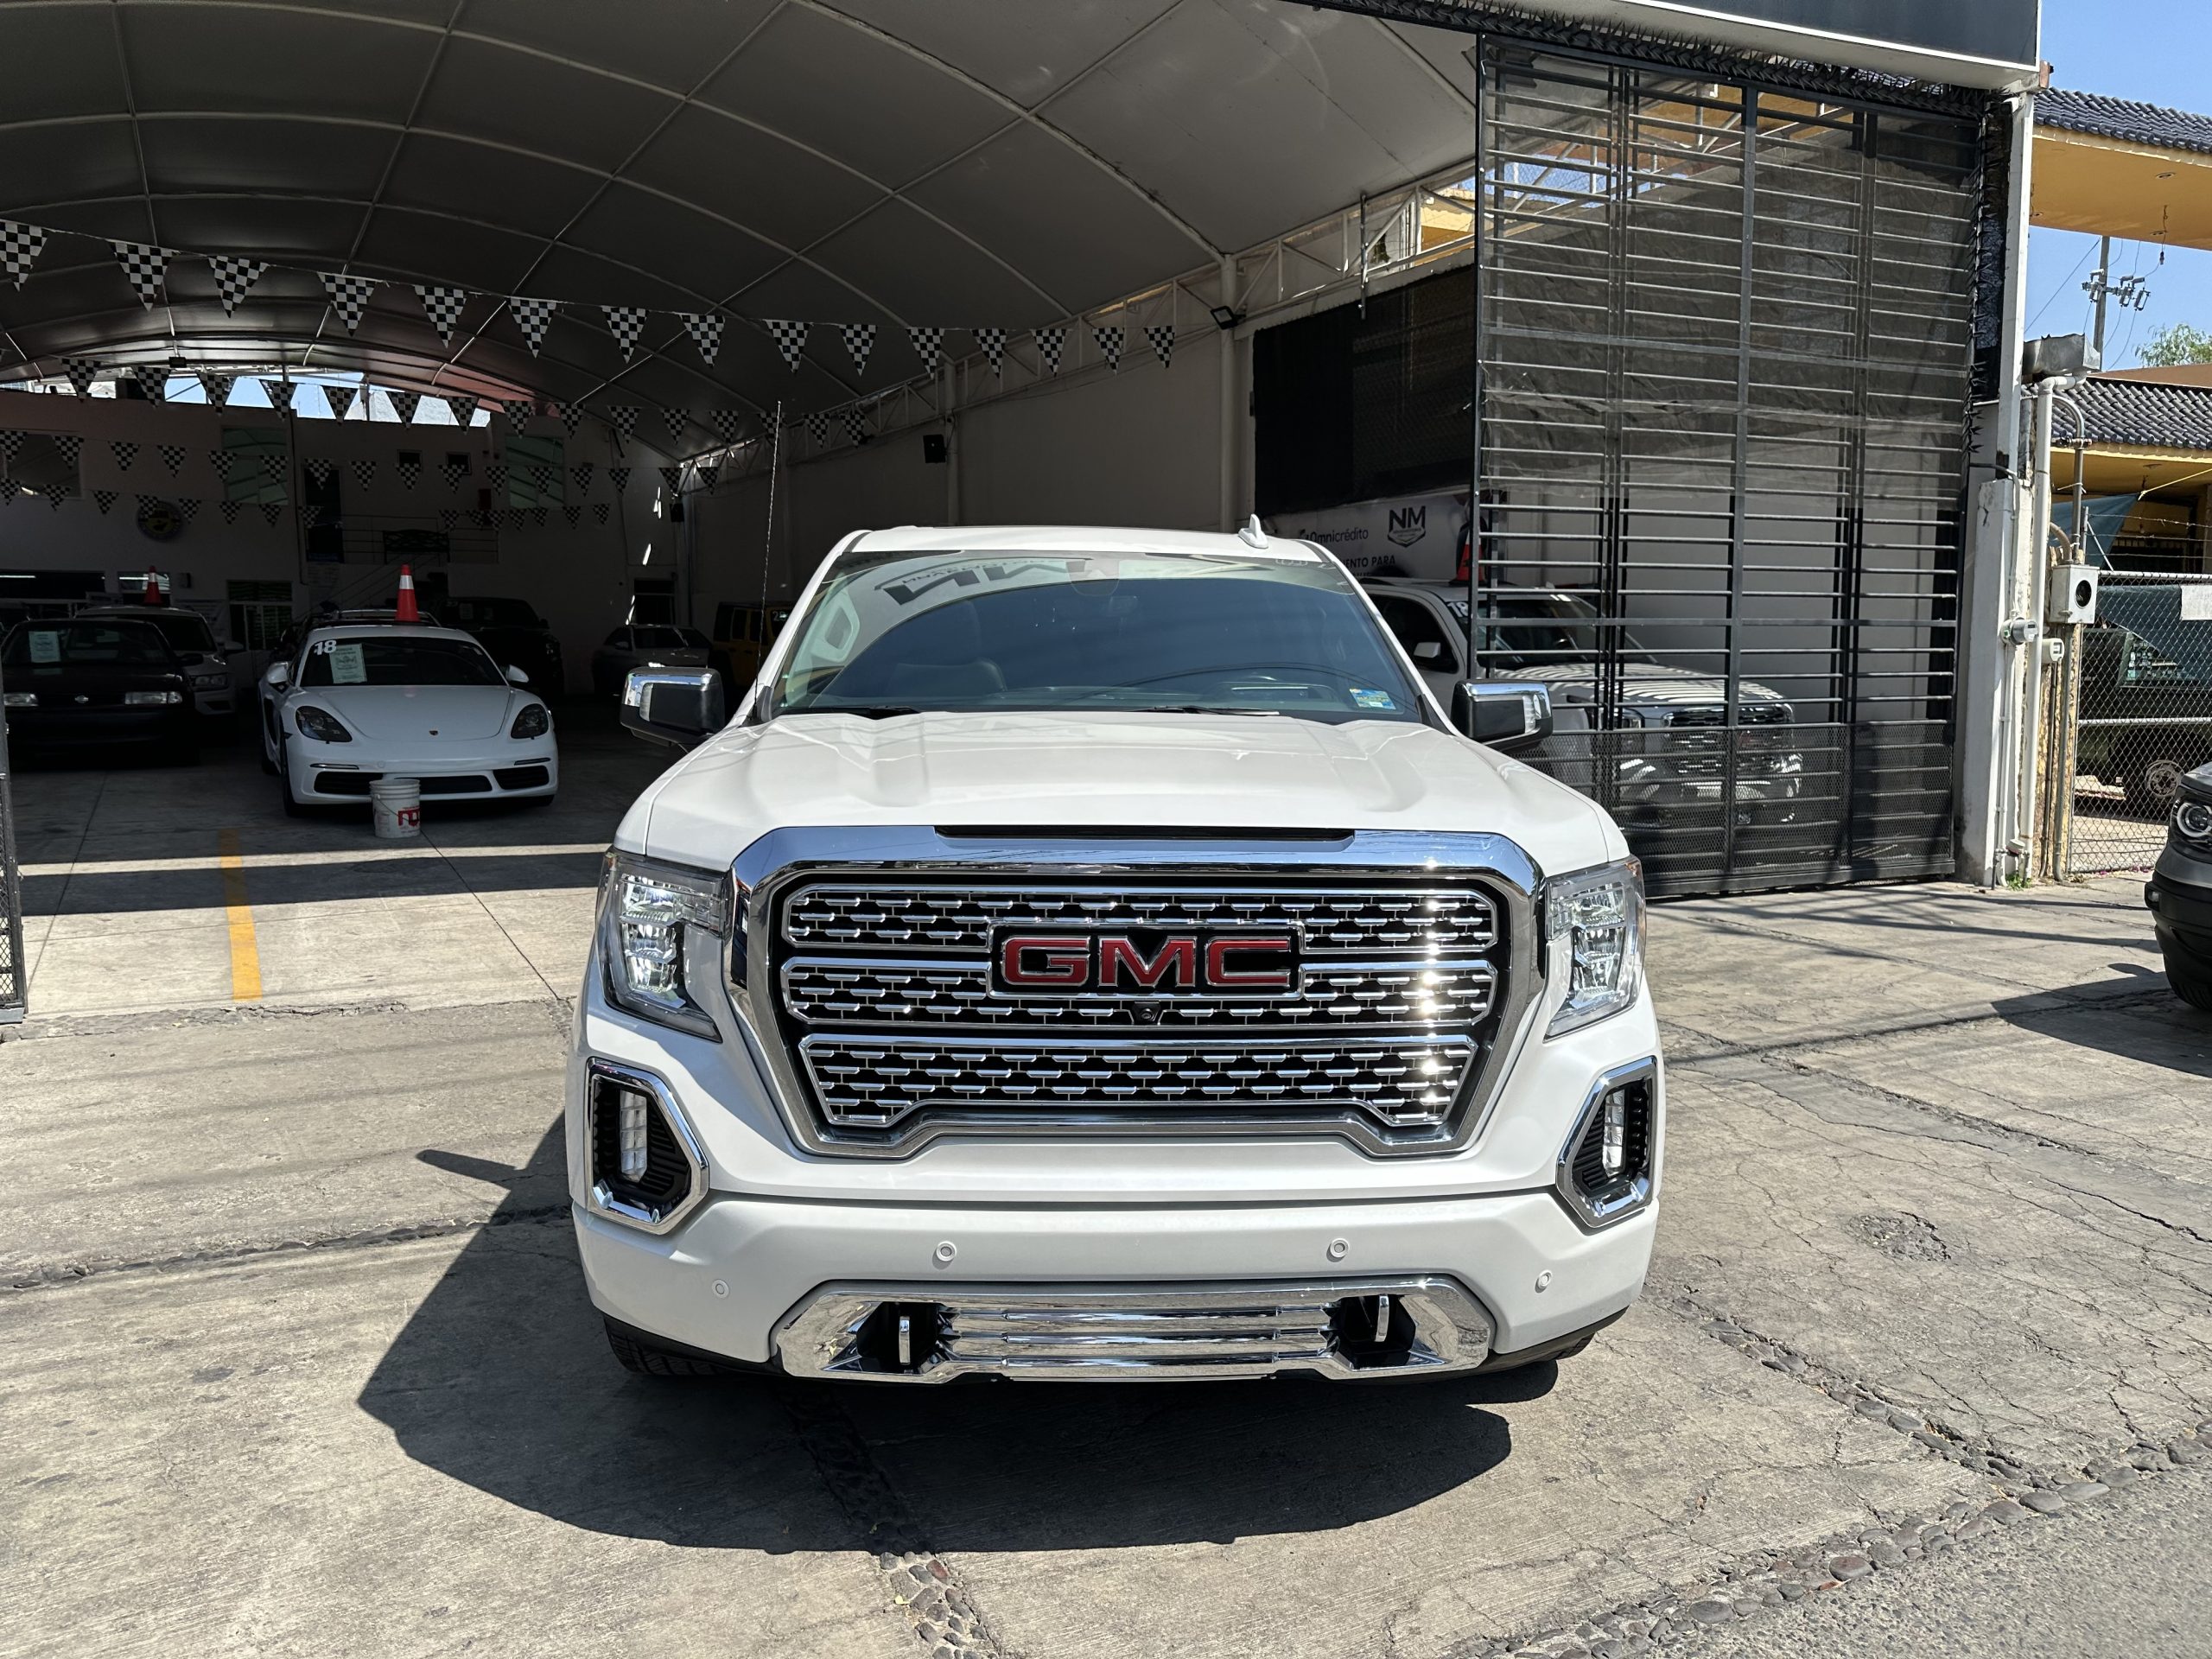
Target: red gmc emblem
{"x": 1146, "y": 962}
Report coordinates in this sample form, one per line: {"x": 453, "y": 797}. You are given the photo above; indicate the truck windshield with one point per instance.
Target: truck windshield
{"x": 1543, "y": 630}
{"x": 1287, "y": 634}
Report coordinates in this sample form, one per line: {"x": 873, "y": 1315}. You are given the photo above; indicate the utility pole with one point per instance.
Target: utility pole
{"x": 2103, "y": 287}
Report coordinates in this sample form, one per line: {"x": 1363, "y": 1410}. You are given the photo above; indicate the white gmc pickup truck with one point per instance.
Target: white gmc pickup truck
{"x": 1091, "y": 954}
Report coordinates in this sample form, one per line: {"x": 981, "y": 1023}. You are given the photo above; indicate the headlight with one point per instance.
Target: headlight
{"x": 19, "y": 700}
{"x": 1594, "y": 923}
{"x": 209, "y": 681}
{"x": 151, "y": 699}
{"x": 532, "y": 722}
{"x": 321, "y": 727}
{"x": 2193, "y": 820}
{"x": 647, "y": 913}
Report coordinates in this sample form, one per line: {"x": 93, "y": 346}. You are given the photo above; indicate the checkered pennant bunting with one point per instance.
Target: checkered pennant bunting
{"x": 234, "y": 278}
{"x": 626, "y": 323}
{"x": 572, "y": 417}
{"x": 672, "y": 478}
{"x": 495, "y": 476}
{"x": 544, "y": 478}
{"x": 188, "y": 507}
{"x": 448, "y": 517}
{"x": 454, "y": 470}
{"x": 125, "y": 452}
{"x": 519, "y": 411}
{"x": 11, "y": 446}
{"x": 172, "y": 456}
{"x": 71, "y": 447}
{"x": 444, "y": 307}
{"x": 707, "y": 472}
{"x": 860, "y": 340}
{"x": 929, "y": 345}
{"x": 271, "y": 511}
{"x": 144, "y": 266}
{"x": 573, "y": 511}
{"x": 679, "y": 422}
{"x": 103, "y": 500}
{"x": 153, "y": 379}
{"x": 580, "y": 473}
{"x": 145, "y": 502}
{"x": 319, "y": 468}
{"x": 790, "y": 338}
{"x": 705, "y": 328}
{"x": 55, "y": 495}
{"x": 219, "y": 459}
{"x": 1109, "y": 345}
{"x": 855, "y": 423}
{"x": 818, "y": 427}
{"x": 338, "y": 399}
{"x": 537, "y": 517}
{"x": 280, "y": 394}
{"x": 272, "y": 468}
{"x": 1162, "y": 336}
{"x": 599, "y": 511}
{"x": 623, "y": 417}
{"x": 218, "y": 388}
{"x": 349, "y": 296}
{"x": 993, "y": 340}
{"x": 364, "y": 472}
{"x": 409, "y": 470}
{"x": 533, "y": 317}
{"x": 404, "y": 403}
{"x": 310, "y": 515}
{"x": 463, "y": 410}
{"x": 727, "y": 423}
{"x": 20, "y": 245}
{"x": 619, "y": 476}
{"x": 1051, "y": 342}
{"x": 229, "y": 509}
{"x": 479, "y": 516}
{"x": 81, "y": 371}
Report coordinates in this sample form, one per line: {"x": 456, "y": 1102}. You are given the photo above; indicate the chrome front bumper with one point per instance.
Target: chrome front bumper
{"x": 1136, "y": 1332}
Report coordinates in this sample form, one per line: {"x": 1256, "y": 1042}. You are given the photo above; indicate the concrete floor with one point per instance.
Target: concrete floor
{"x": 300, "y": 1362}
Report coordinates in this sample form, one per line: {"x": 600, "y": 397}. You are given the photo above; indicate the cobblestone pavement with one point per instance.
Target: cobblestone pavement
{"x": 300, "y": 1362}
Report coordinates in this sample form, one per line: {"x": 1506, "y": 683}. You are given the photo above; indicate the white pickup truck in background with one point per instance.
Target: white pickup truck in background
{"x": 1092, "y": 954}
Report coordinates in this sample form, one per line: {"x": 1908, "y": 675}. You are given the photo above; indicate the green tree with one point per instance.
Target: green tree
{"x": 2176, "y": 344}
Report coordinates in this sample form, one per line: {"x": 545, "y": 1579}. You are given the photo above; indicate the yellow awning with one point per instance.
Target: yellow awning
{"x": 2108, "y": 186}
{"x": 2111, "y": 469}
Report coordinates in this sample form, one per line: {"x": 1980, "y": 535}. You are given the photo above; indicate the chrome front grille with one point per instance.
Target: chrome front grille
{"x": 1335, "y": 921}
{"x": 1408, "y": 1081}
{"x": 891, "y": 1023}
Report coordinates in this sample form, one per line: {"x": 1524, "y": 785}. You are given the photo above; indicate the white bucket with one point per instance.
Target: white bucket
{"x": 398, "y": 804}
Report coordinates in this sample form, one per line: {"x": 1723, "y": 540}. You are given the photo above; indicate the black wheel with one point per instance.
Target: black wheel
{"x": 2152, "y": 774}
{"x": 268, "y": 766}
{"x": 292, "y": 807}
{"x": 641, "y": 1355}
{"x": 2193, "y": 987}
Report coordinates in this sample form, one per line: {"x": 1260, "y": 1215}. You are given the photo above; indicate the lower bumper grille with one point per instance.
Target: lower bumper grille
{"x": 1136, "y": 1332}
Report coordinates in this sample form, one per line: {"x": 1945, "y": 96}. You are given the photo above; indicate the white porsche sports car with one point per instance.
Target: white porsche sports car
{"x": 358, "y": 701}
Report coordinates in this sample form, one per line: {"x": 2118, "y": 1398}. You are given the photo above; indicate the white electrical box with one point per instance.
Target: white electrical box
{"x": 2071, "y": 594}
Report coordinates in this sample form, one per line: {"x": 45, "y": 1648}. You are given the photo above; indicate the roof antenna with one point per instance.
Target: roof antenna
{"x": 1252, "y": 535}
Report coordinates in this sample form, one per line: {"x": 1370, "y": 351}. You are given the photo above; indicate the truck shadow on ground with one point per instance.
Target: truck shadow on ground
{"x": 501, "y": 1379}
{"x": 2144, "y": 1022}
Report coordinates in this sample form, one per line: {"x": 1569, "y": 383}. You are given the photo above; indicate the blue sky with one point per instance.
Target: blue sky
{"x": 2157, "y": 52}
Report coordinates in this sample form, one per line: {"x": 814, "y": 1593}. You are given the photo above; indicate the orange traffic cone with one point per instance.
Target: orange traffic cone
{"x": 153, "y": 586}
{"x": 407, "y": 612}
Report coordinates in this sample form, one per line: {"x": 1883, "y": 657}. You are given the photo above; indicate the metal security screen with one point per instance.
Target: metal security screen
{"x": 1725, "y": 338}
{"x": 14, "y": 971}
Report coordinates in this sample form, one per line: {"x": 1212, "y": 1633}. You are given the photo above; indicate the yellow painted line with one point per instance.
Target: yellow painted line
{"x": 245, "y": 955}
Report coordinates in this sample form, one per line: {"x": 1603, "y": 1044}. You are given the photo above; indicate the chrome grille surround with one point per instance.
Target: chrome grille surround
{"x": 820, "y": 1012}
{"x": 1134, "y": 1333}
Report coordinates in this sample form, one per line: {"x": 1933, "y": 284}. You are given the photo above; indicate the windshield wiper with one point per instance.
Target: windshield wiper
{"x": 1207, "y": 708}
{"x": 865, "y": 710}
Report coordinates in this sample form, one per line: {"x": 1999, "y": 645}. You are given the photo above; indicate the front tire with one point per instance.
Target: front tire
{"x": 283, "y": 769}
{"x": 640, "y": 1356}
{"x": 2193, "y": 987}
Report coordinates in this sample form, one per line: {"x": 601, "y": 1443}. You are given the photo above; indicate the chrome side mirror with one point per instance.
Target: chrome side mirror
{"x": 681, "y": 707}
{"x": 1507, "y": 714}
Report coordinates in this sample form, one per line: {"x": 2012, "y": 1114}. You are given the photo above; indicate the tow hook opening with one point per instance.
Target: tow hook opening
{"x": 901, "y": 1337}
{"x": 1373, "y": 1332}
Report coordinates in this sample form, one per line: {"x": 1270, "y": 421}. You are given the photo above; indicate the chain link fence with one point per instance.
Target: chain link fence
{"x": 2143, "y": 715}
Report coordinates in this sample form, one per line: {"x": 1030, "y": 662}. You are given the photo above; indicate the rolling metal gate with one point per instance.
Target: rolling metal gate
{"x": 1725, "y": 340}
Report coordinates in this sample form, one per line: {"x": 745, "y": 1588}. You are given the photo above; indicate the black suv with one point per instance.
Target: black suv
{"x": 515, "y": 636}
{"x": 2179, "y": 892}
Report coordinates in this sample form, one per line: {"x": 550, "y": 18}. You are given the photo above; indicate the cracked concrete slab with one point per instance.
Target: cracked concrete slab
{"x": 1407, "y": 1520}
{"x": 284, "y": 1458}
{"x": 2063, "y": 1314}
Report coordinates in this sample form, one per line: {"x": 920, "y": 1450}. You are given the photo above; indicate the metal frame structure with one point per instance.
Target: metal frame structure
{"x": 15, "y": 967}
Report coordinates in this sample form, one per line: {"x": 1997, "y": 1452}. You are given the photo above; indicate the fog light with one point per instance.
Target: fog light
{"x": 630, "y": 1129}
{"x": 1613, "y": 1154}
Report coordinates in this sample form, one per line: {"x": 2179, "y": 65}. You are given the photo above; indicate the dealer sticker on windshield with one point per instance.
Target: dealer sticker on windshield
{"x": 346, "y": 667}
{"x": 45, "y": 647}
{"x": 1372, "y": 699}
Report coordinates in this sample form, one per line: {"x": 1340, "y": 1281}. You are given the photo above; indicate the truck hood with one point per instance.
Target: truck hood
{"x": 1646, "y": 685}
{"x": 1122, "y": 771}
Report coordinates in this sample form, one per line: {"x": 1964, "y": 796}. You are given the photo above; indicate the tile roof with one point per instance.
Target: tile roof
{"x": 2116, "y": 117}
{"x": 2141, "y": 413}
